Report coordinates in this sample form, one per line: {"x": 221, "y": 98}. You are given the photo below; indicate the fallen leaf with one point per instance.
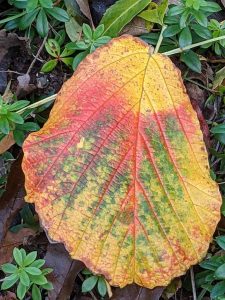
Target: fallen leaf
{"x": 135, "y": 27}
{"x": 135, "y": 201}
{"x": 196, "y": 93}
{"x": 64, "y": 273}
{"x": 13, "y": 198}
{"x": 6, "y": 142}
{"x": 135, "y": 292}
{"x": 7, "y": 41}
{"x": 85, "y": 9}
{"x": 24, "y": 87}
{"x": 11, "y": 241}
{"x": 8, "y": 296}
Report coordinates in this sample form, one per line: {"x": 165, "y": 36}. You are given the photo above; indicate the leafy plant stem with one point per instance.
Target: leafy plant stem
{"x": 38, "y": 103}
{"x": 160, "y": 39}
{"x": 180, "y": 50}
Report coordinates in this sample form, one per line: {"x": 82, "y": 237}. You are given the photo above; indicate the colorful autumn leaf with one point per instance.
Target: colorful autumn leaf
{"x": 119, "y": 173}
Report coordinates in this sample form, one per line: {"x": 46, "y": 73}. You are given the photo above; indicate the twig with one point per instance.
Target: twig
{"x": 180, "y": 50}
{"x": 160, "y": 39}
{"x": 201, "y": 85}
{"x": 193, "y": 284}
{"x": 9, "y": 71}
{"x": 216, "y": 61}
{"x": 36, "y": 56}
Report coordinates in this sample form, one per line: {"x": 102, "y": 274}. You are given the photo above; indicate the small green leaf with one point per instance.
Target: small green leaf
{"x": 98, "y": 31}
{"x": 201, "y": 31}
{"x": 33, "y": 271}
{"x": 28, "y": 19}
{"x": 30, "y": 258}
{"x": 22, "y": 251}
{"x": 183, "y": 19}
{"x": 28, "y": 126}
{"x": 220, "y": 272}
{"x": 18, "y": 256}
{"x": 175, "y": 10}
{"x": 19, "y": 137}
{"x": 60, "y": 37}
{"x": 9, "y": 268}
{"x": 49, "y": 65}
{"x": 102, "y": 288}
{"x": 86, "y": 272}
{"x": 47, "y": 271}
{"x": 78, "y": 58}
{"x": 18, "y": 105}
{"x": 47, "y": 286}
{"x": 11, "y": 18}
{"x": 9, "y": 281}
{"x": 200, "y": 17}
{"x": 31, "y": 5}
{"x": 58, "y": 13}
{"x": 155, "y": 13}
{"x": 14, "y": 117}
{"x": 66, "y": 52}
{"x": 36, "y": 294}
{"x": 89, "y": 284}
{"x": 219, "y": 78}
{"x": 53, "y": 47}
{"x": 218, "y": 290}
{"x": 218, "y": 129}
{"x": 42, "y": 23}
{"x": 67, "y": 61}
{"x": 38, "y": 263}
{"x": 4, "y": 125}
{"x": 87, "y": 31}
{"x": 211, "y": 7}
{"x": 191, "y": 59}
{"x": 21, "y": 291}
{"x": 38, "y": 279}
{"x": 102, "y": 40}
{"x": 46, "y": 3}
{"x": 212, "y": 263}
{"x": 81, "y": 45}
{"x": 24, "y": 278}
{"x": 185, "y": 37}
{"x": 171, "y": 30}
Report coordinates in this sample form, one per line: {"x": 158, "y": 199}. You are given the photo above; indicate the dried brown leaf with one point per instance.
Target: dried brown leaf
{"x": 135, "y": 27}
{"x": 135, "y": 292}
{"x": 13, "y": 198}
{"x": 6, "y": 142}
{"x": 11, "y": 241}
{"x": 65, "y": 271}
{"x": 85, "y": 9}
